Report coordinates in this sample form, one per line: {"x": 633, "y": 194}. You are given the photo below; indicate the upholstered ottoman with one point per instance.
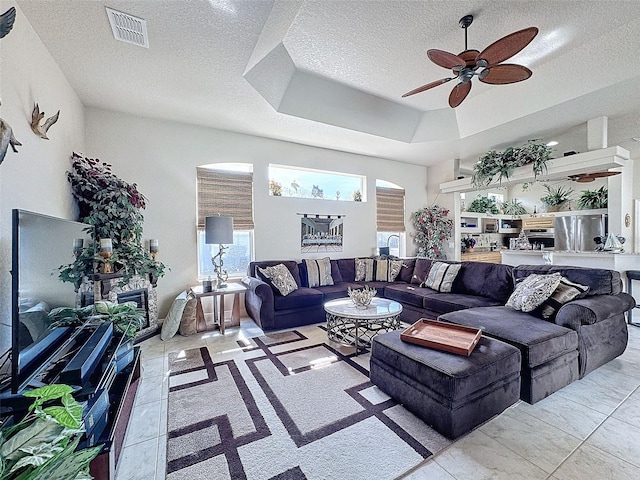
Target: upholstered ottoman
{"x": 452, "y": 393}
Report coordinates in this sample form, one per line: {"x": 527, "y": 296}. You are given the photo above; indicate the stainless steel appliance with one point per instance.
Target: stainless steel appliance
{"x": 541, "y": 237}
{"x": 576, "y": 233}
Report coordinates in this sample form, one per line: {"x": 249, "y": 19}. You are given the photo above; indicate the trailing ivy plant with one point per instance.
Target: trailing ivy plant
{"x": 43, "y": 444}
{"x": 483, "y": 205}
{"x": 114, "y": 208}
{"x": 496, "y": 166}
{"x": 433, "y": 228}
{"x": 592, "y": 199}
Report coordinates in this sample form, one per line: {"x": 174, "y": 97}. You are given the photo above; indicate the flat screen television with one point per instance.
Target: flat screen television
{"x": 41, "y": 244}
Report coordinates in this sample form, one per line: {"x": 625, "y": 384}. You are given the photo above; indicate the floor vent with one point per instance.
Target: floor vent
{"x": 128, "y": 28}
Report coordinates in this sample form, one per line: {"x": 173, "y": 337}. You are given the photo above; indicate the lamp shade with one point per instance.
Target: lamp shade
{"x": 218, "y": 230}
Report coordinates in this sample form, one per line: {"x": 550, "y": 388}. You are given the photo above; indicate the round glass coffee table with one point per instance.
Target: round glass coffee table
{"x": 353, "y": 326}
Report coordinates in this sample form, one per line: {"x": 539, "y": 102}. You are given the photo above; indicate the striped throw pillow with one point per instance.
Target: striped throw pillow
{"x": 564, "y": 293}
{"x": 387, "y": 270}
{"x": 319, "y": 272}
{"x": 441, "y": 276}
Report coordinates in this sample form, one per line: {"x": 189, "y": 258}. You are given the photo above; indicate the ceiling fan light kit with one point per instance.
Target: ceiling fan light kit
{"x": 486, "y": 65}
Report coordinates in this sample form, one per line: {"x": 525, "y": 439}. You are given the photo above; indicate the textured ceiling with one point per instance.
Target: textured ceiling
{"x": 331, "y": 73}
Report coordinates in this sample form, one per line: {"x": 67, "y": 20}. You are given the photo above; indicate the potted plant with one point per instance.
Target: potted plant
{"x": 114, "y": 208}
{"x": 433, "y": 228}
{"x": 275, "y": 188}
{"x": 126, "y": 317}
{"x": 468, "y": 244}
{"x": 592, "y": 199}
{"x": 513, "y": 207}
{"x": 357, "y": 196}
{"x": 483, "y": 205}
{"x": 498, "y": 166}
{"x": 43, "y": 445}
{"x": 556, "y": 197}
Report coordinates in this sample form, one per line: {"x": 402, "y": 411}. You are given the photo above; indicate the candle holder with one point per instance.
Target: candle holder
{"x": 153, "y": 248}
{"x": 106, "y": 251}
{"x": 78, "y": 244}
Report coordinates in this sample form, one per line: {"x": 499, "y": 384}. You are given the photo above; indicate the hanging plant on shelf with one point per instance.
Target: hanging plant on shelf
{"x": 483, "y": 205}
{"x": 594, "y": 199}
{"x": 433, "y": 228}
{"x": 556, "y": 197}
{"x": 496, "y": 166}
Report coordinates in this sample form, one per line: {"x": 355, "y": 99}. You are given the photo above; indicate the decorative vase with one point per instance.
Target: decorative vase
{"x": 470, "y": 249}
{"x": 361, "y": 298}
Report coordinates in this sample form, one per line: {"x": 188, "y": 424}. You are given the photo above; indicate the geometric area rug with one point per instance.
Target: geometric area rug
{"x": 287, "y": 406}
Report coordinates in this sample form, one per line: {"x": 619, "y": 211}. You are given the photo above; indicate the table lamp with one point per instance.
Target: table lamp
{"x": 219, "y": 230}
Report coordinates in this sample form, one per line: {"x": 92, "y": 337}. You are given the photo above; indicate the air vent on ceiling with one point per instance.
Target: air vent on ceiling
{"x": 128, "y": 28}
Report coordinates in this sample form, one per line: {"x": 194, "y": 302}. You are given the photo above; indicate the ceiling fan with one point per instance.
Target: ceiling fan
{"x": 590, "y": 177}
{"x": 487, "y": 65}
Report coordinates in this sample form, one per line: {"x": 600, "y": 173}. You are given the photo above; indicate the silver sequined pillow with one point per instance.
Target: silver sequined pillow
{"x": 280, "y": 278}
{"x": 533, "y": 291}
{"x": 364, "y": 270}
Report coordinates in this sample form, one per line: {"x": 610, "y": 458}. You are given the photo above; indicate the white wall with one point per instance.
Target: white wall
{"x": 161, "y": 157}
{"x": 33, "y": 179}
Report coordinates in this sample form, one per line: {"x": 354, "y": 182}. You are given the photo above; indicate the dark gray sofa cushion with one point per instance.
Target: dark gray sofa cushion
{"x": 347, "y": 268}
{"x": 407, "y": 294}
{"x": 421, "y": 270}
{"x": 300, "y": 298}
{"x": 338, "y": 290}
{"x": 538, "y": 340}
{"x": 450, "y": 302}
{"x": 406, "y": 272}
{"x": 490, "y": 280}
{"x": 452, "y": 376}
{"x": 599, "y": 281}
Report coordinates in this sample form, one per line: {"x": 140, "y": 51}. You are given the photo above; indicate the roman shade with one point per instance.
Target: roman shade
{"x": 390, "y": 209}
{"x": 227, "y": 193}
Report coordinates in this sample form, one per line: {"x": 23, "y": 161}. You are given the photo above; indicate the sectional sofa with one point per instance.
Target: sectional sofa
{"x": 584, "y": 334}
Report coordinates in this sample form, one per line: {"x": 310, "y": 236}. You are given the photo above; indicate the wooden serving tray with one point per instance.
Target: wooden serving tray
{"x": 443, "y": 336}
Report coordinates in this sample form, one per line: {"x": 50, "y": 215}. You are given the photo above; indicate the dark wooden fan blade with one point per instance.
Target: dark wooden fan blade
{"x": 505, "y": 73}
{"x": 603, "y": 174}
{"x": 459, "y": 93}
{"x": 445, "y": 59}
{"x": 508, "y": 46}
{"x": 427, "y": 86}
{"x": 586, "y": 179}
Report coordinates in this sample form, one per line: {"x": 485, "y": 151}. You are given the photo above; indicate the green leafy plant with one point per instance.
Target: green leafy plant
{"x": 43, "y": 444}
{"x": 496, "y": 166}
{"x": 433, "y": 228}
{"x": 556, "y": 196}
{"x": 592, "y": 199}
{"x": 483, "y": 205}
{"x": 126, "y": 317}
{"x": 114, "y": 208}
{"x": 513, "y": 207}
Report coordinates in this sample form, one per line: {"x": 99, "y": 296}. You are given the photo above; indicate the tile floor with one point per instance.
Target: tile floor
{"x": 588, "y": 430}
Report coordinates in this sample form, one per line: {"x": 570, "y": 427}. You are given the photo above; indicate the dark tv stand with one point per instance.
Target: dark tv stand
{"x": 122, "y": 395}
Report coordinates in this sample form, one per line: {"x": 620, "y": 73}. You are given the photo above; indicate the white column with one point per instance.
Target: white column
{"x": 597, "y": 133}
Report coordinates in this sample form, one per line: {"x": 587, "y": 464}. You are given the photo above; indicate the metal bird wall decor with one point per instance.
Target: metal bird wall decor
{"x": 41, "y": 130}
{"x": 6, "y": 21}
{"x": 7, "y": 139}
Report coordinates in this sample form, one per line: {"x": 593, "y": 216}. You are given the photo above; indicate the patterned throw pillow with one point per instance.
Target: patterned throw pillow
{"x": 532, "y": 291}
{"x": 319, "y": 272}
{"x": 387, "y": 270}
{"x": 188, "y": 322}
{"x": 280, "y": 278}
{"x": 364, "y": 269}
{"x": 564, "y": 293}
{"x": 441, "y": 276}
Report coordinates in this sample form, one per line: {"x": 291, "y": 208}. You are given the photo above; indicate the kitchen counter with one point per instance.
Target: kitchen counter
{"x": 620, "y": 262}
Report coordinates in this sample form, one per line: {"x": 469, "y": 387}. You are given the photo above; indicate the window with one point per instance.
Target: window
{"x": 226, "y": 189}
{"x": 390, "y": 216}
{"x": 285, "y": 181}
